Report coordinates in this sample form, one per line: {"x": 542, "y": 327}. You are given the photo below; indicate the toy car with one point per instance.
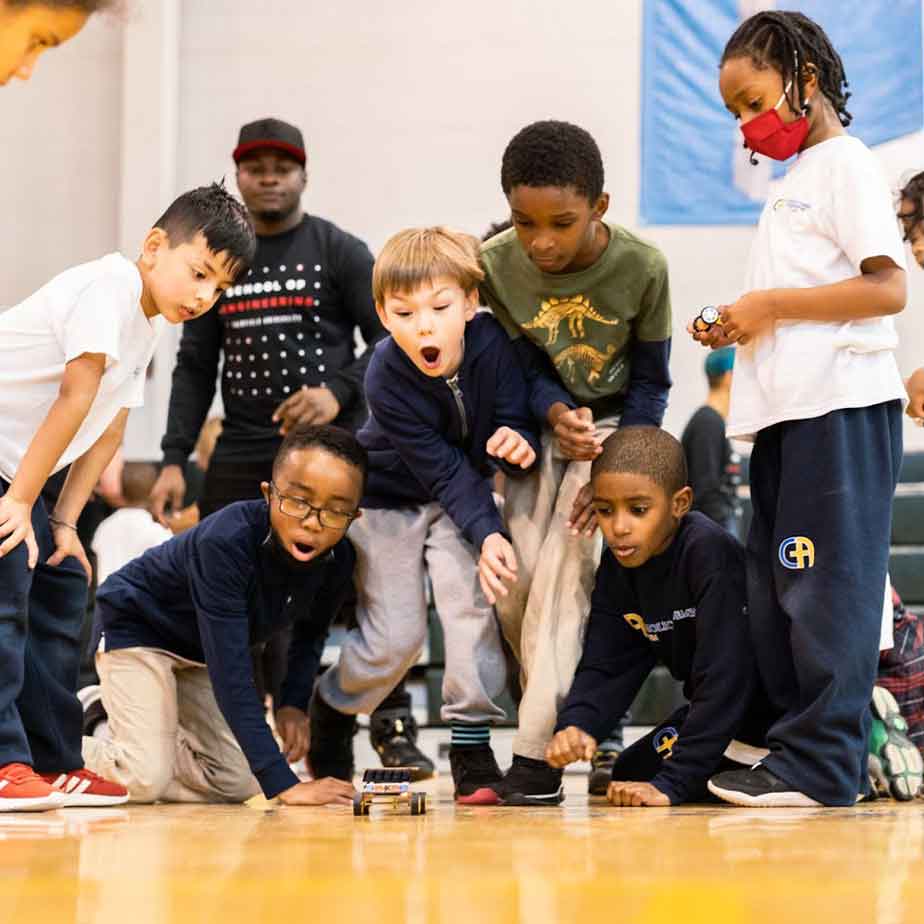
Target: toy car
{"x": 392, "y": 785}
{"x": 706, "y": 318}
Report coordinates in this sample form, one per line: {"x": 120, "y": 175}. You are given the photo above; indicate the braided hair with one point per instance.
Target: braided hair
{"x": 788, "y": 41}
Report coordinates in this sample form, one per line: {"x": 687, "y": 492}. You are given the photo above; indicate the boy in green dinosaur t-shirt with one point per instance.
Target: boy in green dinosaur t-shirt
{"x": 587, "y": 304}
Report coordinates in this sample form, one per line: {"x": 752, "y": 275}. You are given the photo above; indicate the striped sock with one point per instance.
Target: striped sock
{"x": 466, "y": 735}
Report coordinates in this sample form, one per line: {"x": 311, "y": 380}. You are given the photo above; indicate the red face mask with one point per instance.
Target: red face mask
{"x": 768, "y": 134}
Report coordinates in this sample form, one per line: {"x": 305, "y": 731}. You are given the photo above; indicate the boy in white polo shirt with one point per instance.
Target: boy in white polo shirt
{"x": 72, "y": 362}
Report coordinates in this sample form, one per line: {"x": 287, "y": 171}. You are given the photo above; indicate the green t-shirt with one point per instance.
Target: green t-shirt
{"x": 585, "y": 321}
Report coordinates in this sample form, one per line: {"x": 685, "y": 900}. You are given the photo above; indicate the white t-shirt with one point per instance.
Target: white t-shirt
{"x": 123, "y": 536}
{"x": 92, "y": 308}
{"x": 832, "y": 210}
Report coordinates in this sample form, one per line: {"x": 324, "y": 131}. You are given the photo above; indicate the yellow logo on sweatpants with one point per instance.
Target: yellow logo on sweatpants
{"x": 797, "y": 553}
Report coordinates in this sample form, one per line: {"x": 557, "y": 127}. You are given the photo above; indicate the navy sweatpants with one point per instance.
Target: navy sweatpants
{"x": 817, "y": 556}
{"x": 41, "y": 612}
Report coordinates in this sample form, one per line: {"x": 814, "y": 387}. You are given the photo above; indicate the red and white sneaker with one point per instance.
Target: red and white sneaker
{"x": 23, "y": 790}
{"x": 85, "y": 788}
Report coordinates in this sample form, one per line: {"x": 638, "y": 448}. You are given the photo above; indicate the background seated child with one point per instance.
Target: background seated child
{"x": 130, "y": 531}
{"x": 448, "y": 404}
{"x": 185, "y": 721}
{"x": 670, "y": 587}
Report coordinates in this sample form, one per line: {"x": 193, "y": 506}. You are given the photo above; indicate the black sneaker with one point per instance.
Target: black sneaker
{"x": 475, "y": 774}
{"x": 393, "y": 734}
{"x": 331, "y": 751}
{"x": 601, "y": 771}
{"x": 531, "y": 782}
{"x": 91, "y": 699}
{"x": 758, "y": 788}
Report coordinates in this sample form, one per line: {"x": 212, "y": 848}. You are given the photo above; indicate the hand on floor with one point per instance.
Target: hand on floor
{"x": 635, "y": 794}
{"x": 328, "y": 791}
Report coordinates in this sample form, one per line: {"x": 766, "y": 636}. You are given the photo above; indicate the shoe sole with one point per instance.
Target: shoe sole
{"x": 483, "y": 796}
{"x": 767, "y": 800}
{"x": 86, "y": 801}
{"x": 37, "y": 804}
{"x": 901, "y": 764}
{"x": 524, "y": 800}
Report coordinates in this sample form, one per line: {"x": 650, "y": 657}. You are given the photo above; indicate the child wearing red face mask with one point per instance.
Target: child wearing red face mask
{"x": 818, "y": 390}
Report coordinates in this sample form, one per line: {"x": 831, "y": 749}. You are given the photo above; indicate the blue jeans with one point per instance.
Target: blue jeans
{"x": 40, "y": 618}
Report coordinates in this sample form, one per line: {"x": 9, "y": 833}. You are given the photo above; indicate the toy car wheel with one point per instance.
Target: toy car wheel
{"x": 418, "y": 803}
{"x": 358, "y": 807}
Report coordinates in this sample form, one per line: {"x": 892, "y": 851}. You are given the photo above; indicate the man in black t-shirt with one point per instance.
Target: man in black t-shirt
{"x": 284, "y": 338}
{"x": 714, "y": 467}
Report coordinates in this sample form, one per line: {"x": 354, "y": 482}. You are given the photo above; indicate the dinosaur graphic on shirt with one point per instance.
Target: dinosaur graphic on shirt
{"x": 575, "y": 310}
{"x": 580, "y": 354}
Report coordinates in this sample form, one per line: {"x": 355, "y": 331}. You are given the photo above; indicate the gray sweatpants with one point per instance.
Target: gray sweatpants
{"x": 395, "y": 550}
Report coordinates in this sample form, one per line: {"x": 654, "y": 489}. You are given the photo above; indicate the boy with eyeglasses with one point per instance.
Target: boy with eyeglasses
{"x": 186, "y": 723}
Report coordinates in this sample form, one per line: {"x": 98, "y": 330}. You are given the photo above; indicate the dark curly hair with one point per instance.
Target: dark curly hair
{"x": 779, "y": 39}
{"x": 334, "y": 440}
{"x": 648, "y": 451}
{"x": 913, "y": 191}
{"x": 553, "y": 153}
{"x": 223, "y": 221}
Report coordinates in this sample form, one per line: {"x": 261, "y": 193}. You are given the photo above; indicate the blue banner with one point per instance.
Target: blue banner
{"x": 694, "y": 169}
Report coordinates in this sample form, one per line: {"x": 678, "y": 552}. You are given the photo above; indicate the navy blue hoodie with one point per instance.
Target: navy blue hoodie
{"x": 211, "y": 593}
{"x": 426, "y": 442}
{"x": 687, "y": 608}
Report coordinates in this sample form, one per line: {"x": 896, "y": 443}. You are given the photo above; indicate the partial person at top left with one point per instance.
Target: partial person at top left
{"x": 29, "y": 27}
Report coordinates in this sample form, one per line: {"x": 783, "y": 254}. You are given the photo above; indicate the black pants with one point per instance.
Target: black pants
{"x": 817, "y": 557}
{"x": 225, "y": 483}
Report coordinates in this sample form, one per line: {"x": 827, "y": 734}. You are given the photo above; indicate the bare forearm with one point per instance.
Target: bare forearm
{"x": 51, "y": 439}
{"x": 86, "y": 471}
{"x": 871, "y": 295}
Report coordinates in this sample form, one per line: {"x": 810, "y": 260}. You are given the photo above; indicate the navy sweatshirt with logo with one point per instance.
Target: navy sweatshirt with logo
{"x": 687, "y": 609}
{"x": 211, "y": 593}
{"x": 426, "y": 437}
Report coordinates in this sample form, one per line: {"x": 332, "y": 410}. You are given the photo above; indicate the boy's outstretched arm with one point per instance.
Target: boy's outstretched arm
{"x": 615, "y": 662}
{"x": 78, "y": 389}
{"x": 78, "y": 486}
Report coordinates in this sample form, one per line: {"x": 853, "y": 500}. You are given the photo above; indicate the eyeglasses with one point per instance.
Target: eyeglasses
{"x": 298, "y": 508}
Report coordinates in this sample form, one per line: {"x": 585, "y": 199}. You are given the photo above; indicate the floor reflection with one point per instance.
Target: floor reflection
{"x": 582, "y": 862}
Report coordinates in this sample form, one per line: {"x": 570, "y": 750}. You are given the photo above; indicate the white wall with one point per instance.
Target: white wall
{"x": 59, "y": 138}
{"x": 406, "y": 109}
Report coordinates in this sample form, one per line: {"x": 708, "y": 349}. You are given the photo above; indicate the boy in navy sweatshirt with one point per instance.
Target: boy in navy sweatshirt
{"x": 185, "y": 721}
{"x": 670, "y": 588}
{"x": 448, "y": 405}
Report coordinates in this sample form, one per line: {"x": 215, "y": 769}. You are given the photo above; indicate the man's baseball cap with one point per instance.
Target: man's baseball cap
{"x": 270, "y": 133}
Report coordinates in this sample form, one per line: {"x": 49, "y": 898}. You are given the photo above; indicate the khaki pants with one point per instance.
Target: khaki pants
{"x": 169, "y": 740}
{"x": 544, "y": 615}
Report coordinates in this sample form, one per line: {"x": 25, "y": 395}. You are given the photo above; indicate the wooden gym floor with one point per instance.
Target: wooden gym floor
{"x": 583, "y": 862}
